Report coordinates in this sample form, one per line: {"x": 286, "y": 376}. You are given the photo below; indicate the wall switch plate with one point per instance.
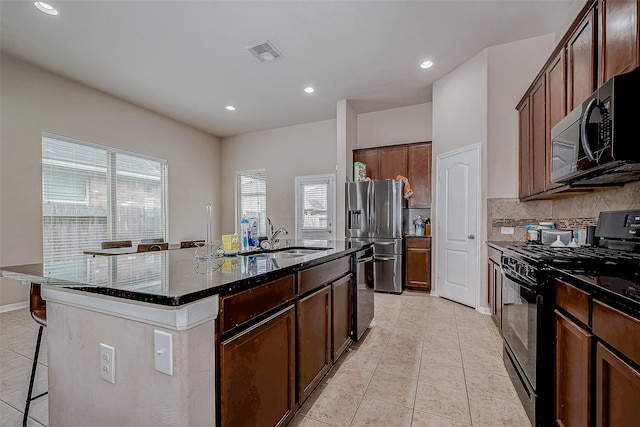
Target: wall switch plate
{"x": 506, "y": 230}
{"x": 163, "y": 351}
{"x": 107, "y": 363}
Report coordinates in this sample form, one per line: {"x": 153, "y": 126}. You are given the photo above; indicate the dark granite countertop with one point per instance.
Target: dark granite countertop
{"x": 501, "y": 244}
{"x": 171, "y": 278}
{"x": 417, "y": 237}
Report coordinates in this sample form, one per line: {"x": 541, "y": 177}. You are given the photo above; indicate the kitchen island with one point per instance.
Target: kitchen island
{"x": 195, "y": 345}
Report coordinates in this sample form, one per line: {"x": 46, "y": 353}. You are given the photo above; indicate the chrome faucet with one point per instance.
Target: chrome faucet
{"x": 274, "y": 234}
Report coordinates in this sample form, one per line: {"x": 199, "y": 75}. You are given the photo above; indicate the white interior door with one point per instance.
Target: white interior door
{"x": 315, "y": 207}
{"x": 457, "y": 216}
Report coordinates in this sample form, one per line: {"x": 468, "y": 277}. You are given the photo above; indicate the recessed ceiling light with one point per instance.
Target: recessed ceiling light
{"x": 426, "y": 64}
{"x": 230, "y": 107}
{"x": 46, "y": 8}
{"x": 309, "y": 89}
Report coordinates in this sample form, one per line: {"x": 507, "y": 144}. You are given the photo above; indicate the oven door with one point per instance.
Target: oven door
{"x": 520, "y": 323}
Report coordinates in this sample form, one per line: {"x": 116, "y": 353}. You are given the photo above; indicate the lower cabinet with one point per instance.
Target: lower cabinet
{"x": 418, "y": 263}
{"x": 573, "y": 373}
{"x": 341, "y": 291}
{"x": 494, "y": 284}
{"x": 257, "y": 373}
{"x": 313, "y": 339}
{"x": 617, "y": 391}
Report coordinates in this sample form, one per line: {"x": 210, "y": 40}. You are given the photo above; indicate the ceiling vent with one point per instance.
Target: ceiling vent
{"x": 264, "y": 52}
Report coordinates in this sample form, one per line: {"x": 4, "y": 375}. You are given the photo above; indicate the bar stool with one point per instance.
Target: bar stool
{"x": 39, "y": 313}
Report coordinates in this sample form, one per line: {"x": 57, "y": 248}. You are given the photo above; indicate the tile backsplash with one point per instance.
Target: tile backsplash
{"x": 568, "y": 213}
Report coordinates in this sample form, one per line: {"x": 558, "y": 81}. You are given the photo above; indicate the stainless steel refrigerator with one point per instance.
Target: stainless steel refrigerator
{"x": 374, "y": 214}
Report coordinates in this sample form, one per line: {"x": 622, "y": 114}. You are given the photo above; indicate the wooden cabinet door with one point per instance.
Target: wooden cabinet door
{"x": 491, "y": 292}
{"x": 419, "y": 175}
{"x": 497, "y": 276}
{"x": 581, "y": 60}
{"x": 369, "y": 157}
{"x": 617, "y": 391}
{"x": 342, "y": 301}
{"x": 524, "y": 149}
{"x": 619, "y": 41}
{"x": 313, "y": 340}
{"x": 393, "y": 162}
{"x": 257, "y": 374}
{"x": 556, "y": 76}
{"x": 573, "y": 378}
{"x": 495, "y": 292}
{"x": 538, "y": 138}
{"x": 418, "y": 264}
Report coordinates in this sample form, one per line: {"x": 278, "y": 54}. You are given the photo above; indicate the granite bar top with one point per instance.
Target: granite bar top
{"x": 172, "y": 278}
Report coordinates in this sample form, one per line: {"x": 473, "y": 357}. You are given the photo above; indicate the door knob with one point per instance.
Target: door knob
{"x": 471, "y": 236}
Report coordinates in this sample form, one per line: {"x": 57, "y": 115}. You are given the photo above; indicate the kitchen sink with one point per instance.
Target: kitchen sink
{"x": 284, "y": 253}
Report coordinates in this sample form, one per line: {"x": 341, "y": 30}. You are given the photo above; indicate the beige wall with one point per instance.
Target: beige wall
{"x": 347, "y": 134}
{"x": 307, "y": 149}
{"x": 395, "y": 126}
{"x": 475, "y": 104}
{"x": 35, "y": 101}
{"x": 512, "y": 68}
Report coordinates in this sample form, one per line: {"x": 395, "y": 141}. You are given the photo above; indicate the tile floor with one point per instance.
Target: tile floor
{"x": 426, "y": 362}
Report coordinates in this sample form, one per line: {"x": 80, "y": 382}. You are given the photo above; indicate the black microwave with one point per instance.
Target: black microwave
{"x": 598, "y": 143}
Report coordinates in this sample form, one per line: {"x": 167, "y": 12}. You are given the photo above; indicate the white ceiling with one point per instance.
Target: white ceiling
{"x": 187, "y": 59}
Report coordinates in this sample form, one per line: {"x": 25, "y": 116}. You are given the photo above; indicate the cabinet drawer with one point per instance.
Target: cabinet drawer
{"x": 418, "y": 243}
{"x": 617, "y": 329}
{"x": 573, "y": 300}
{"x": 241, "y": 307}
{"x": 315, "y": 277}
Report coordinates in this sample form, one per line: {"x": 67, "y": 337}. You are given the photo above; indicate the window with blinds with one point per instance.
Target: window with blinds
{"x": 251, "y": 198}
{"x": 315, "y": 206}
{"x": 92, "y": 194}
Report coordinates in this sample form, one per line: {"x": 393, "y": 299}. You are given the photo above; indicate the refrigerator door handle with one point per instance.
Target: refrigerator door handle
{"x": 384, "y": 258}
{"x": 384, "y": 243}
{"x": 372, "y": 214}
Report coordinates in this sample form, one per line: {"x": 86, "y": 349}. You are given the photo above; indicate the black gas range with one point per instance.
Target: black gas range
{"x": 613, "y": 267}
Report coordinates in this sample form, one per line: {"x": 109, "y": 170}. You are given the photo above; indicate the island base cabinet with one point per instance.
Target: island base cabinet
{"x": 314, "y": 340}
{"x": 257, "y": 373}
{"x": 617, "y": 391}
{"x": 341, "y": 291}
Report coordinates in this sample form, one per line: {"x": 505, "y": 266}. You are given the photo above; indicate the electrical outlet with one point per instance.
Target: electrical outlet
{"x": 163, "y": 351}
{"x": 107, "y": 363}
{"x": 506, "y": 230}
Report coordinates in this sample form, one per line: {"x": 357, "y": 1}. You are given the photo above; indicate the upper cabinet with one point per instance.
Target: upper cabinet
{"x": 618, "y": 37}
{"x": 419, "y": 175}
{"x": 581, "y": 61}
{"x": 369, "y": 157}
{"x": 412, "y": 161}
{"x": 602, "y": 42}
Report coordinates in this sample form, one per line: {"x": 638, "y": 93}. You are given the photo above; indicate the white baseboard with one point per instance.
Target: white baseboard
{"x": 15, "y": 306}
{"x": 484, "y": 310}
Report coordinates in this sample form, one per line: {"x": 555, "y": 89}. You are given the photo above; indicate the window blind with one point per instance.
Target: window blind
{"x": 313, "y": 196}
{"x": 251, "y": 198}
{"x": 92, "y": 194}
{"x": 314, "y": 206}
